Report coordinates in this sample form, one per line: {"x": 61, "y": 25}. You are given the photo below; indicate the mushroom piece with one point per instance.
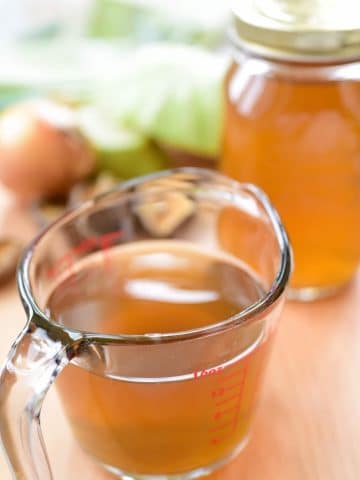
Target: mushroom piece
{"x": 162, "y": 210}
{"x": 87, "y": 190}
{"x": 48, "y": 210}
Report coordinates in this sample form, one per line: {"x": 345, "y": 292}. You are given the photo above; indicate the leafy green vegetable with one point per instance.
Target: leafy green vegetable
{"x": 172, "y": 94}
{"x": 10, "y": 94}
{"x": 125, "y": 153}
{"x": 168, "y": 93}
{"x": 61, "y": 67}
{"x": 161, "y": 20}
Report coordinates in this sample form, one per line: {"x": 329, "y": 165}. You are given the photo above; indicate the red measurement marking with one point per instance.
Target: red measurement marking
{"x": 231, "y": 387}
{"x": 227, "y": 400}
{"x": 242, "y": 389}
{"x": 233, "y": 412}
{"x": 107, "y": 240}
{"x": 84, "y": 246}
{"x": 218, "y": 392}
{"x": 217, "y": 440}
{"x": 61, "y": 265}
{"x": 206, "y": 373}
{"x": 222, "y": 427}
{"x": 66, "y": 262}
{"x": 219, "y": 414}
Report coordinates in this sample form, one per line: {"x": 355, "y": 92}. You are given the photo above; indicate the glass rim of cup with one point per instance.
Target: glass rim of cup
{"x": 245, "y": 316}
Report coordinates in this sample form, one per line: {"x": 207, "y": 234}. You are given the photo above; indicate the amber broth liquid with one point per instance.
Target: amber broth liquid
{"x": 155, "y": 426}
{"x": 300, "y": 142}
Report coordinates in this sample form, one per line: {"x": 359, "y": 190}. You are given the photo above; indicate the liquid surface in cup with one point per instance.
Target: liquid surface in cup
{"x": 195, "y": 411}
{"x": 300, "y": 142}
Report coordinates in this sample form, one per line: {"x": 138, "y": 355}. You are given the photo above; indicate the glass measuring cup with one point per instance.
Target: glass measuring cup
{"x": 175, "y": 404}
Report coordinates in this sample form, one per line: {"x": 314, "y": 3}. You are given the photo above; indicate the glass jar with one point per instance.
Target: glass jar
{"x": 292, "y": 126}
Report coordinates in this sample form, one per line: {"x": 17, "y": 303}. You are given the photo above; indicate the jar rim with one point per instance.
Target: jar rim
{"x": 290, "y": 32}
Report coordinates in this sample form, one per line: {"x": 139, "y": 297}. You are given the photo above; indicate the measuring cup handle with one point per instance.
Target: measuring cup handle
{"x": 32, "y": 365}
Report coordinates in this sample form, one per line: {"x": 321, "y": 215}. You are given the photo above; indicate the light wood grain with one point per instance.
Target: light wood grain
{"x": 308, "y": 423}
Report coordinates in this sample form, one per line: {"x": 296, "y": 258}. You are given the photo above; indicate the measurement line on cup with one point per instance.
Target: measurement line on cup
{"x": 227, "y": 400}
{"x": 101, "y": 243}
{"x": 221, "y": 427}
{"x": 233, "y": 412}
{"x": 232, "y": 387}
{"x": 218, "y": 439}
{"x": 219, "y": 414}
{"x": 242, "y": 389}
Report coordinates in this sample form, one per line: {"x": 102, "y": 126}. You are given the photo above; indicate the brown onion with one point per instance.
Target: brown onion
{"x": 42, "y": 153}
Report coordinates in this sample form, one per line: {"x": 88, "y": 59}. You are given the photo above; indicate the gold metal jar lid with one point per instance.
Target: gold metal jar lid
{"x": 303, "y": 30}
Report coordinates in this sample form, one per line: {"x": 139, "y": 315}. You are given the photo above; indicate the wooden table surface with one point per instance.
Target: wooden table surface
{"x": 308, "y": 422}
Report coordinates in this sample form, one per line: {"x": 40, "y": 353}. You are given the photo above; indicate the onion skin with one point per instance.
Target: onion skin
{"x": 42, "y": 154}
